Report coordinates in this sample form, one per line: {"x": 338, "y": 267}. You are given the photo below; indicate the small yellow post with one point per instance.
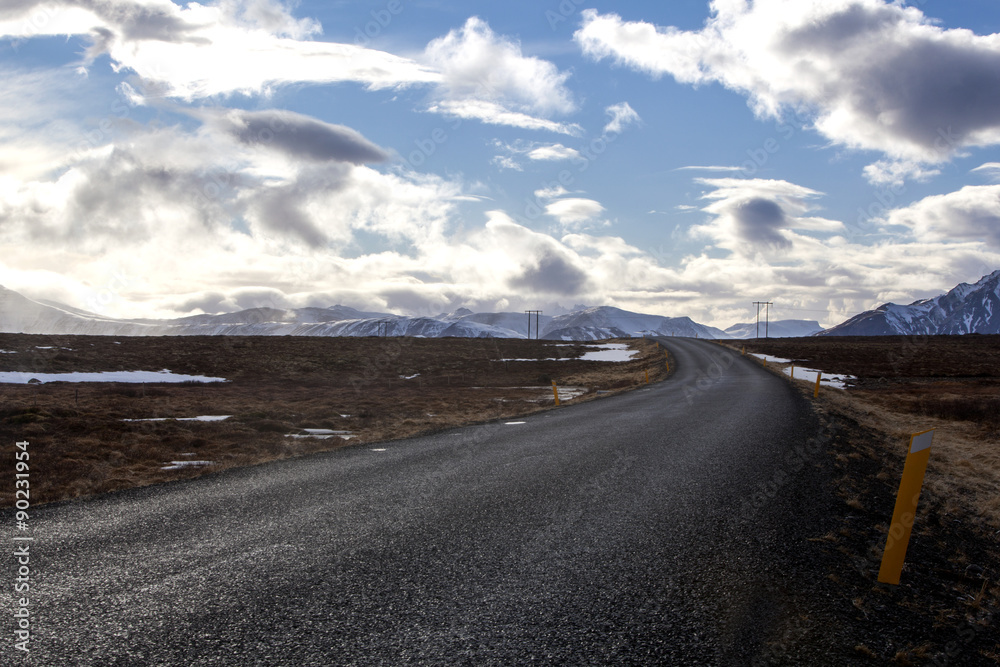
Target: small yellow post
{"x": 666, "y": 355}
{"x": 744, "y": 352}
{"x": 555, "y": 392}
{"x": 905, "y": 511}
{"x": 816, "y": 390}
{"x": 793, "y": 371}
{"x": 647, "y": 376}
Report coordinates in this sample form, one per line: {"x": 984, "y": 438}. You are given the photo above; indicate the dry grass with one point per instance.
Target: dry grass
{"x": 906, "y": 385}
{"x": 375, "y": 388}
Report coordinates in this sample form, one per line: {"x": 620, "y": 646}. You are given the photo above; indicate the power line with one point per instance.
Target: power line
{"x": 767, "y": 305}
{"x": 537, "y": 315}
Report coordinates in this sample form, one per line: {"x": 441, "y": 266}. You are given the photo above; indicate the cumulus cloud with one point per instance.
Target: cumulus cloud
{"x": 622, "y": 115}
{"x": 536, "y": 263}
{"x": 574, "y": 210}
{"x": 970, "y": 214}
{"x": 486, "y": 76}
{"x": 477, "y": 63}
{"x": 873, "y": 74}
{"x": 895, "y": 173}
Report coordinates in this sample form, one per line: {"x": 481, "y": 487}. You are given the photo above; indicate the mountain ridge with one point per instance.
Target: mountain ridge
{"x": 964, "y": 309}
{"x": 19, "y": 314}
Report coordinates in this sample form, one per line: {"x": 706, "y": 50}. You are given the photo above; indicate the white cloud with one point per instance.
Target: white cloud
{"x": 551, "y": 192}
{"x": 970, "y": 214}
{"x": 875, "y": 75}
{"x": 622, "y": 116}
{"x": 708, "y": 168}
{"x": 896, "y": 172}
{"x": 554, "y": 152}
{"x": 507, "y": 162}
{"x": 990, "y": 169}
{"x": 574, "y": 210}
{"x": 492, "y": 113}
{"x": 752, "y": 216}
{"x": 199, "y": 51}
{"x": 486, "y": 76}
{"x": 478, "y": 64}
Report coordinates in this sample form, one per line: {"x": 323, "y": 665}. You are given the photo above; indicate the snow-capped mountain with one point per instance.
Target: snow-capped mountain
{"x": 608, "y": 322}
{"x": 19, "y": 314}
{"x": 775, "y": 329}
{"x": 965, "y": 309}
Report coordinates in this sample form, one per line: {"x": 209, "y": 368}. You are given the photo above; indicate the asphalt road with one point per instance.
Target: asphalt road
{"x": 659, "y": 526}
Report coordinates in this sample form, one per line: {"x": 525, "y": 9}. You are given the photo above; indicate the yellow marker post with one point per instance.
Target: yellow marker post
{"x": 744, "y": 350}
{"x": 816, "y": 390}
{"x": 793, "y": 371}
{"x": 666, "y": 355}
{"x": 906, "y": 507}
{"x": 555, "y": 392}
{"x": 647, "y": 376}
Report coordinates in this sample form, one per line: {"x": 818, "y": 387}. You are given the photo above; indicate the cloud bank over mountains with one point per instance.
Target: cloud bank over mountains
{"x": 170, "y": 198}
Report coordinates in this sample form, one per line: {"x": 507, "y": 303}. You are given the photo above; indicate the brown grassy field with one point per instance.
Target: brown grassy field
{"x": 372, "y": 389}
{"x": 949, "y": 597}
{"x": 909, "y": 384}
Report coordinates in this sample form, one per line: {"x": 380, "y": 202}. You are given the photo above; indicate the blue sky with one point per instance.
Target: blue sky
{"x": 160, "y": 159}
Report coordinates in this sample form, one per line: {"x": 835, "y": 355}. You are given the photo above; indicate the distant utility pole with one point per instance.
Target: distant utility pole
{"x": 766, "y": 305}
{"x": 537, "y": 313}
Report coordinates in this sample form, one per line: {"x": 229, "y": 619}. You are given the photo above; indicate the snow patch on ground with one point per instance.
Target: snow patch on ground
{"x": 22, "y": 377}
{"x": 837, "y": 380}
{"x": 615, "y": 352}
{"x": 200, "y": 418}
{"x": 610, "y": 352}
{"x": 827, "y": 379}
{"x": 768, "y": 358}
{"x": 177, "y": 465}
{"x": 321, "y": 434}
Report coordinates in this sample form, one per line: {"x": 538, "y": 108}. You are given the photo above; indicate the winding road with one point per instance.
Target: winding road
{"x": 658, "y": 526}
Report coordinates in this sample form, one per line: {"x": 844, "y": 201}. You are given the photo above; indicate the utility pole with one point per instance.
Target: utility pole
{"x": 766, "y": 304}
{"x": 537, "y": 314}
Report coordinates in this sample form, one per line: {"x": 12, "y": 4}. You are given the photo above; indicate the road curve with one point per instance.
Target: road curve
{"x": 652, "y": 527}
